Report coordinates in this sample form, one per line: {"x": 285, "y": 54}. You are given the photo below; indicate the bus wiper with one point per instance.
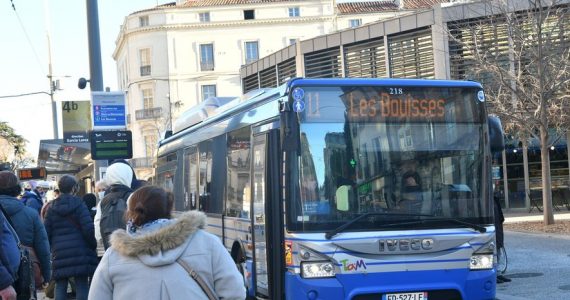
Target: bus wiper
{"x": 479, "y": 228}
{"x": 344, "y": 226}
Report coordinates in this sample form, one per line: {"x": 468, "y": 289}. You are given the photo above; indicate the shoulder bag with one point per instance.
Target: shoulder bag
{"x": 194, "y": 275}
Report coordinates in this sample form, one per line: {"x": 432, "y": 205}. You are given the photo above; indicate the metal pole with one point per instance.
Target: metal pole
{"x": 95, "y": 68}
{"x": 50, "y": 72}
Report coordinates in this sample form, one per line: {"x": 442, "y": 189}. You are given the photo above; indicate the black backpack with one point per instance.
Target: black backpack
{"x": 113, "y": 210}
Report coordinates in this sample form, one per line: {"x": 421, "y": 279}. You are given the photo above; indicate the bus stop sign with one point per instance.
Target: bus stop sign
{"x": 106, "y": 145}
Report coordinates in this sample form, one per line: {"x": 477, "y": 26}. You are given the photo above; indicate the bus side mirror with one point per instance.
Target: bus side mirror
{"x": 342, "y": 194}
{"x": 496, "y": 136}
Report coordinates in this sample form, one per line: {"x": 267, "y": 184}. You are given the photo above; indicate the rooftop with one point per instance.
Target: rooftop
{"x": 200, "y": 3}
{"x": 366, "y": 7}
{"x": 417, "y": 4}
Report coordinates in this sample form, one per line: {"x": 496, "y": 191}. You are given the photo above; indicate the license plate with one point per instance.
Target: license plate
{"x": 406, "y": 296}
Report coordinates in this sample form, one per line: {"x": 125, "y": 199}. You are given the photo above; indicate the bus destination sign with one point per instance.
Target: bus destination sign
{"x": 394, "y": 106}
{"x": 107, "y": 145}
{"x": 384, "y": 104}
{"x": 32, "y": 174}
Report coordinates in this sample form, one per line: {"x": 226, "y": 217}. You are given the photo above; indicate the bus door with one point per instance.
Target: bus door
{"x": 190, "y": 178}
{"x": 267, "y": 215}
{"x": 259, "y": 217}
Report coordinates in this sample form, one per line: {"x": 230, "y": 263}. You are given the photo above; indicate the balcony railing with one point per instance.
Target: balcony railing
{"x": 142, "y": 162}
{"x": 207, "y": 66}
{"x": 149, "y": 113}
{"x": 145, "y": 70}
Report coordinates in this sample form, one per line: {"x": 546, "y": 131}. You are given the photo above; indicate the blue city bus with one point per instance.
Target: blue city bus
{"x": 345, "y": 188}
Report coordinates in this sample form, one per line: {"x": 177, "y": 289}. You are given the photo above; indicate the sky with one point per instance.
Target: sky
{"x": 24, "y": 57}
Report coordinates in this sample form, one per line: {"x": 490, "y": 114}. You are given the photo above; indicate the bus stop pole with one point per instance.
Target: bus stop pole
{"x": 95, "y": 67}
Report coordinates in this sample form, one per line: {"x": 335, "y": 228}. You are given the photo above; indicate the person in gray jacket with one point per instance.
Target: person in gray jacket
{"x": 142, "y": 260}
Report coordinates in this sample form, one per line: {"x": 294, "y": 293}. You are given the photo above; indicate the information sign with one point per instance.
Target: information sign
{"x": 111, "y": 145}
{"x": 32, "y": 174}
{"x": 108, "y": 110}
{"x": 76, "y": 119}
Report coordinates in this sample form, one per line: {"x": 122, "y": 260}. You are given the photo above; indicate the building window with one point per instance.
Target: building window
{"x": 150, "y": 142}
{"x": 251, "y": 52}
{"x": 249, "y": 14}
{"x": 292, "y": 41}
{"x": 208, "y": 91}
{"x": 143, "y": 21}
{"x": 145, "y": 61}
{"x": 205, "y": 17}
{"x": 294, "y": 12}
{"x": 148, "y": 98}
{"x": 207, "y": 57}
{"x": 354, "y": 23}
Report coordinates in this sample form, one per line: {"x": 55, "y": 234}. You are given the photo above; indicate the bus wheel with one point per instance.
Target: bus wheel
{"x": 239, "y": 259}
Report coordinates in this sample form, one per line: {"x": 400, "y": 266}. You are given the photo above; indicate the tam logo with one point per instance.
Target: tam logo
{"x": 353, "y": 266}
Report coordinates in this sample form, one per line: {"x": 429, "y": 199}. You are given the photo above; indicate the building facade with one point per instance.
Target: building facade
{"x": 431, "y": 44}
{"x": 172, "y": 57}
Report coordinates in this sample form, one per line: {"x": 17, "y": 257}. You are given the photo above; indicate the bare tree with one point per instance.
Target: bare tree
{"x": 13, "y": 146}
{"x": 520, "y": 51}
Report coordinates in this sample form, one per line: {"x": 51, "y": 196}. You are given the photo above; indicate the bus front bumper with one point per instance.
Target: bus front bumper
{"x": 440, "y": 284}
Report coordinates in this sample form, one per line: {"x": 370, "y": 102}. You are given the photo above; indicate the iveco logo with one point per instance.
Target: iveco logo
{"x": 405, "y": 244}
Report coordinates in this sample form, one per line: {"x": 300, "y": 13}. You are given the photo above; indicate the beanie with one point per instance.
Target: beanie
{"x": 119, "y": 174}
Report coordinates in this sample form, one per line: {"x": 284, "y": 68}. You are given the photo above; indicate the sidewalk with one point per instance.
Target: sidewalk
{"x": 525, "y": 216}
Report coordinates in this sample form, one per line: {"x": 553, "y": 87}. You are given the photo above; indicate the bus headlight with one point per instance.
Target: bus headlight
{"x": 481, "y": 262}
{"x": 317, "y": 269}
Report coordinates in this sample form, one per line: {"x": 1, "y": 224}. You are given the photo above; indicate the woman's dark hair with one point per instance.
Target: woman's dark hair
{"x": 149, "y": 203}
{"x": 9, "y": 184}
{"x": 66, "y": 184}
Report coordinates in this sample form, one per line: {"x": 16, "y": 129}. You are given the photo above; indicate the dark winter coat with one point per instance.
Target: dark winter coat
{"x": 31, "y": 199}
{"x": 30, "y": 230}
{"x": 72, "y": 238}
{"x": 9, "y": 254}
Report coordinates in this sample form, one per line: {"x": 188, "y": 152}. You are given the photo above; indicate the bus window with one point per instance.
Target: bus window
{"x": 165, "y": 171}
{"x": 218, "y": 173}
{"x": 205, "y": 175}
{"x": 190, "y": 178}
{"x": 239, "y": 186}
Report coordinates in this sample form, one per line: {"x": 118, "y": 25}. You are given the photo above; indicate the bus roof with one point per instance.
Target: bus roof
{"x": 383, "y": 82}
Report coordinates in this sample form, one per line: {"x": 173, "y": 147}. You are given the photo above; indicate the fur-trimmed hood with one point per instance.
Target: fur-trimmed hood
{"x": 162, "y": 246}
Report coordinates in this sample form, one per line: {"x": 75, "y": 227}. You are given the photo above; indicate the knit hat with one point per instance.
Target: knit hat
{"x": 30, "y": 185}
{"x": 119, "y": 174}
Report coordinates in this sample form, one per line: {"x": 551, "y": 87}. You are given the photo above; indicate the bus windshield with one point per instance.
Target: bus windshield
{"x": 406, "y": 152}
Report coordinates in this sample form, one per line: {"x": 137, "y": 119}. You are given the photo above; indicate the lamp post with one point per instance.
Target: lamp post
{"x": 52, "y": 86}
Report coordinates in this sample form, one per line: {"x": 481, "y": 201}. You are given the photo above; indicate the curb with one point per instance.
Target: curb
{"x": 541, "y": 234}
{"x": 500, "y": 296}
